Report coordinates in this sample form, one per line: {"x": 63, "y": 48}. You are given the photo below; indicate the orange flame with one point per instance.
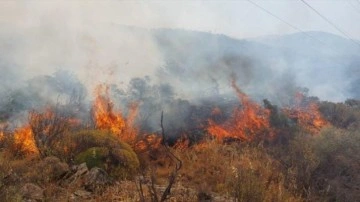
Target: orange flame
{"x": 2, "y": 133}
{"x": 2, "y": 136}
{"x": 148, "y": 142}
{"x": 24, "y": 140}
{"x": 106, "y": 117}
{"x": 247, "y": 123}
{"x": 182, "y": 143}
{"x": 306, "y": 114}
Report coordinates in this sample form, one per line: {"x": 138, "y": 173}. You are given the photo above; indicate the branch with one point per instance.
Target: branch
{"x": 178, "y": 165}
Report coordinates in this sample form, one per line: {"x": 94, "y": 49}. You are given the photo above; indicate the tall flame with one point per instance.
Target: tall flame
{"x": 24, "y": 140}
{"x": 2, "y": 136}
{"x": 106, "y": 117}
{"x": 247, "y": 123}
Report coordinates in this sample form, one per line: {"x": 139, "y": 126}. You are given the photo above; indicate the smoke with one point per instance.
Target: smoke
{"x": 46, "y": 37}
{"x": 58, "y": 52}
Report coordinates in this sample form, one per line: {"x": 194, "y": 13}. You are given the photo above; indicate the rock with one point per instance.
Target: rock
{"x": 32, "y": 192}
{"x": 81, "y": 170}
{"x": 82, "y": 194}
{"x": 75, "y": 174}
{"x": 92, "y": 180}
{"x": 95, "y": 179}
{"x": 53, "y": 168}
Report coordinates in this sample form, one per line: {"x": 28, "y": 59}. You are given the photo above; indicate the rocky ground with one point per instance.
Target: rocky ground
{"x": 78, "y": 183}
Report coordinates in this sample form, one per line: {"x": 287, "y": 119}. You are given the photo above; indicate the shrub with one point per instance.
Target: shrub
{"x": 94, "y": 157}
{"x": 242, "y": 171}
{"x": 248, "y": 187}
{"x": 102, "y": 149}
{"x": 323, "y": 167}
{"x": 299, "y": 161}
{"x": 47, "y": 129}
{"x": 82, "y": 140}
{"x": 337, "y": 176}
{"x": 342, "y": 115}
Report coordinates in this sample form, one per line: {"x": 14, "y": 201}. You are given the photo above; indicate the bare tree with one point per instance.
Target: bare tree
{"x": 48, "y": 127}
{"x": 178, "y": 164}
{"x": 172, "y": 177}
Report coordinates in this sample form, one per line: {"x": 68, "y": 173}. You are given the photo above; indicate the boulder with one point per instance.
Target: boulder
{"x": 32, "y": 192}
{"x": 92, "y": 180}
{"x": 75, "y": 174}
{"x": 96, "y": 178}
{"x": 81, "y": 194}
{"x": 52, "y": 168}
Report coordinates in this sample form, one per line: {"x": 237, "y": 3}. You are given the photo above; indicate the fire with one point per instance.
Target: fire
{"x": 182, "y": 143}
{"x": 2, "y": 136}
{"x": 306, "y": 114}
{"x": 106, "y": 117}
{"x": 43, "y": 121}
{"x": 24, "y": 140}
{"x": 148, "y": 142}
{"x": 2, "y": 133}
{"x": 247, "y": 123}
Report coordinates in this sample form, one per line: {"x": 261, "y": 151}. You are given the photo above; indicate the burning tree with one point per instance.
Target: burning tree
{"x": 48, "y": 128}
{"x": 306, "y": 114}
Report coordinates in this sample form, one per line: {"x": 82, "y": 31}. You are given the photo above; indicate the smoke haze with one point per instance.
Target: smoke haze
{"x": 50, "y": 51}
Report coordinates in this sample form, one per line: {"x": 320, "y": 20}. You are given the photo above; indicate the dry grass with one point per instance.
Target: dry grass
{"x": 309, "y": 168}
{"x": 246, "y": 173}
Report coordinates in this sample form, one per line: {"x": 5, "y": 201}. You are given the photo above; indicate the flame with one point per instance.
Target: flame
{"x": 106, "y": 117}
{"x": 148, "y": 142}
{"x": 2, "y": 136}
{"x": 182, "y": 143}
{"x": 24, "y": 140}
{"x": 247, "y": 123}
{"x": 306, "y": 114}
{"x": 51, "y": 122}
{"x": 3, "y": 126}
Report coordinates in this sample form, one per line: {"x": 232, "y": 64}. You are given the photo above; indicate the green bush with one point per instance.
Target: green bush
{"x": 94, "y": 157}
{"x": 99, "y": 148}
{"x": 82, "y": 140}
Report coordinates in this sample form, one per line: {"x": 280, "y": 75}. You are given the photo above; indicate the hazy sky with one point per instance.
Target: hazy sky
{"x": 83, "y": 37}
{"x": 235, "y": 18}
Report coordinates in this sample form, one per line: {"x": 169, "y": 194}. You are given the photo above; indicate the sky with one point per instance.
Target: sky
{"x": 239, "y": 19}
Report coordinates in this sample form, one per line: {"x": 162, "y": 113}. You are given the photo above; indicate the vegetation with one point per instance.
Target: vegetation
{"x": 104, "y": 150}
{"x": 294, "y": 166}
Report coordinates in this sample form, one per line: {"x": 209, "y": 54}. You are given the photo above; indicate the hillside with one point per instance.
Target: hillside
{"x": 130, "y": 114}
{"x": 326, "y": 64}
